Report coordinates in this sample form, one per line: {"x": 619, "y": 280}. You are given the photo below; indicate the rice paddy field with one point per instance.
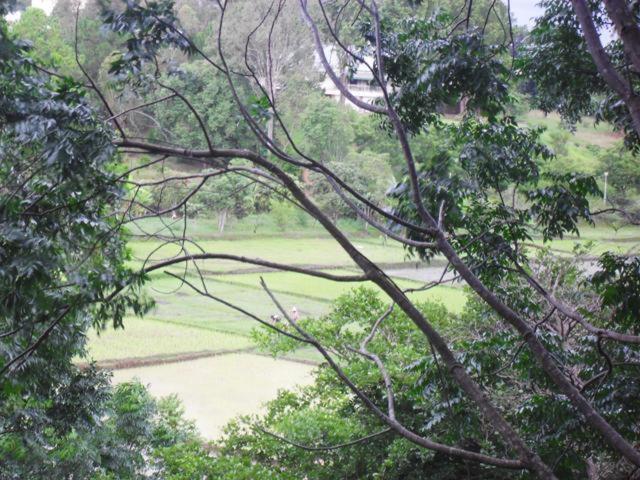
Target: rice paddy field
{"x": 214, "y": 390}
{"x": 184, "y": 321}
{"x": 202, "y": 350}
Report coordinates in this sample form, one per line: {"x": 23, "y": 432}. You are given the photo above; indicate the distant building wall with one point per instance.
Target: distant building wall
{"x": 361, "y": 85}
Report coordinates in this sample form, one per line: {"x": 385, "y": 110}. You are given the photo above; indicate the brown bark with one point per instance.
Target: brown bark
{"x": 592, "y": 417}
{"x": 610, "y": 75}
{"x": 627, "y": 29}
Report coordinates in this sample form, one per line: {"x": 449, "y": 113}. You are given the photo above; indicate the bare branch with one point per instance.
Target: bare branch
{"x": 144, "y": 105}
{"x": 344, "y": 90}
{"x": 393, "y": 424}
{"x": 606, "y": 68}
{"x": 256, "y": 261}
{"x": 93, "y": 84}
{"x": 238, "y": 309}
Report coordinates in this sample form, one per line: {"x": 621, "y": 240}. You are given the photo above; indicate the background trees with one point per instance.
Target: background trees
{"x": 566, "y": 39}
{"x": 215, "y": 105}
{"x": 439, "y": 211}
{"x": 62, "y": 259}
{"x": 49, "y": 46}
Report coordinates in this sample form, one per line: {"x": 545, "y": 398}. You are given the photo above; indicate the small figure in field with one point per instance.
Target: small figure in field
{"x": 275, "y": 318}
{"x": 295, "y": 315}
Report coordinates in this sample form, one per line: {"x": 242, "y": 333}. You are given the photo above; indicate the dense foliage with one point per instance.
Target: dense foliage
{"x": 565, "y": 75}
{"x": 430, "y": 403}
{"x": 487, "y": 183}
{"x": 62, "y": 254}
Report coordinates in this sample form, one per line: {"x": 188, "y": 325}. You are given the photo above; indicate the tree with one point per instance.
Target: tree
{"x": 63, "y": 271}
{"x": 49, "y": 45}
{"x": 576, "y": 74}
{"x": 94, "y": 43}
{"x": 367, "y": 171}
{"x": 268, "y": 40}
{"x": 337, "y": 439}
{"x": 465, "y": 217}
{"x": 62, "y": 255}
{"x": 216, "y": 108}
{"x": 224, "y": 195}
{"x": 324, "y": 130}
{"x": 478, "y": 216}
{"x": 623, "y": 170}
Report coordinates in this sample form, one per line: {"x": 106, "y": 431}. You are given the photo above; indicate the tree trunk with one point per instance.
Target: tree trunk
{"x": 627, "y": 28}
{"x": 222, "y": 220}
{"x": 614, "y": 79}
{"x": 270, "y": 128}
{"x": 592, "y": 470}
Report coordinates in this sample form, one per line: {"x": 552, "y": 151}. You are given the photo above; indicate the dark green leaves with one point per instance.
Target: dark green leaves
{"x": 429, "y": 70}
{"x": 556, "y": 59}
{"x": 147, "y": 29}
{"x": 618, "y": 283}
{"x": 497, "y": 154}
{"x": 62, "y": 255}
{"x": 559, "y": 206}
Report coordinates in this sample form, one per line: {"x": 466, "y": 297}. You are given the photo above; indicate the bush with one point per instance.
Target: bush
{"x": 558, "y": 140}
{"x": 285, "y": 214}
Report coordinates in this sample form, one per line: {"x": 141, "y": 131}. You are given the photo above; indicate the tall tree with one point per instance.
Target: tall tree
{"x": 577, "y": 72}
{"x": 478, "y": 218}
{"x": 49, "y": 45}
{"x": 62, "y": 258}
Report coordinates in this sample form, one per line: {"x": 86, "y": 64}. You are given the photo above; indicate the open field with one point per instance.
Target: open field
{"x": 320, "y": 251}
{"x": 263, "y": 225}
{"x": 184, "y": 321}
{"x": 326, "y": 290}
{"x": 625, "y": 240}
{"x": 147, "y": 337}
{"x": 215, "y": 390}
{"x": 209, "y": 325}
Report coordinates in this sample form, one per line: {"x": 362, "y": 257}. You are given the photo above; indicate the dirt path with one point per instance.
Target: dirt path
{"x": 154, "y": 360}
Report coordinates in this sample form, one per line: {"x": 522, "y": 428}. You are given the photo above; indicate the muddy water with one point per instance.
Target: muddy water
{"x": 216, "y": 389}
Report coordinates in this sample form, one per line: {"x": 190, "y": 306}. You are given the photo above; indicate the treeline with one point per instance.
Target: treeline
{"x": 354, "y": 145}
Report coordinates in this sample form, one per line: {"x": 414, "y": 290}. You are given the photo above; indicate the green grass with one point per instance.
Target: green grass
{"x": 185, "y": 307}
{"x": 311, "y": 296}
{"x": 603, "y": 231}
{"x": 147, "y": 337}
{"x": 184, "y": 321}
{"x": 305, "y": 251}
{"x": 566, "y": 246}
{"x": 587, "y": 132}
{"x": 253, "y": 225}
{"x": 582, "y": 147}
{"x": 180, "y": 306}
{"x": 323, "y": 290}
{"x": 603, "y": 238}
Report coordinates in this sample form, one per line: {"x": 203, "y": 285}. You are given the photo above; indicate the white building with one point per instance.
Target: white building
{"x": 361, "y": 84}
{"x": 359, "y": 80}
